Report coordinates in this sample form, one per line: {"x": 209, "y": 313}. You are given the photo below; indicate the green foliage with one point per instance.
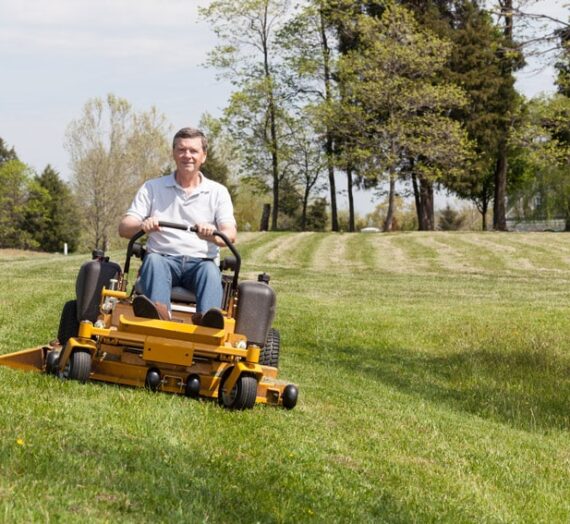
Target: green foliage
{"x": 477, "y": 64}
{"x": 544, "y": 152}
{"x": 15, "y": 186}
{"x": 248, "y": 205}
{"x": 52, "y": 217}
{"x": 394, "y": 111}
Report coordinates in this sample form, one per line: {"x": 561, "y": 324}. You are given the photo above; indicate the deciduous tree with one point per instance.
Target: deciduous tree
{"x": 248, "y": 56}
{"x": 113, "y": 149}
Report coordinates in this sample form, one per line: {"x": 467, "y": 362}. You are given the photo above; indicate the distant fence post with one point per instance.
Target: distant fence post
{"x": 65, "y": 248}
{"x": 264, "y": 226}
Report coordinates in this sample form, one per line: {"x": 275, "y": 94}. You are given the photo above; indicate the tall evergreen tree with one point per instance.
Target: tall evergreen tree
{"x": 52, "y": 217}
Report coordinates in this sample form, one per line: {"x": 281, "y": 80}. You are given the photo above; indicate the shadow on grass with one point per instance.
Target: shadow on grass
{"x": 527, "y": 390}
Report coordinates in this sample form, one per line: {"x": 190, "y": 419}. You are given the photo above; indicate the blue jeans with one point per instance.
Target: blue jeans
{"x": 160, "y": 273}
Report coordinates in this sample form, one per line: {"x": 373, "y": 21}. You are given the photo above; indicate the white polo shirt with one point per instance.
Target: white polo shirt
{"x": 164, "y": 198}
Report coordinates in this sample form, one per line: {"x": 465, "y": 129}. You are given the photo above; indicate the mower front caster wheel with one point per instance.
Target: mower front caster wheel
{"x": 52, "y": 360}
{"x": 79, "y": 366}
{"x": 242, "y": 395}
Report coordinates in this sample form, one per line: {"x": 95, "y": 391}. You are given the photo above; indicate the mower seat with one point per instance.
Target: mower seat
{"x": 181, "y": 294}
{"x": 178, "y": 294}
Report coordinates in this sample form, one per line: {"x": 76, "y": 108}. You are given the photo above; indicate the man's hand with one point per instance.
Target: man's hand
{"x": 206, "y": 232}
{"x": 131, "y": 225}
{"x": 150, "y": 224}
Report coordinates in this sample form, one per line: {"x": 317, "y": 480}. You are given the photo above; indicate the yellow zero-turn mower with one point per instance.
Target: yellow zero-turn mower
{"x": 100, "y": 338}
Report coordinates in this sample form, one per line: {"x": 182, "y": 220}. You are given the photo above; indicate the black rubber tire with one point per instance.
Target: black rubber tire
{"x": 242, "y": 395}
{"x": 269, "y": 354}
{"x": 68, "y": 323}
{"x": 52, "y": 360}
{"x": 79, "y": 365}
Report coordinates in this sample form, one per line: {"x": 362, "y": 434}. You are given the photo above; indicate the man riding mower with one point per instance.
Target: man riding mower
{"x": 231, "y": 354}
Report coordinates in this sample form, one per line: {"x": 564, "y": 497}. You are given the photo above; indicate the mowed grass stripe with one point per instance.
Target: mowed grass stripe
{"x": 545, "y": 252}
{"x": 422, "y": 258}
{"x": 342, "y": 253}
{"x": 485, "y": 255}
{"x": 451, "y": 253}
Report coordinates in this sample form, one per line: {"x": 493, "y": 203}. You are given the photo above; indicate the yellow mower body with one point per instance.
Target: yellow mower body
{"x": 174, "y": 356}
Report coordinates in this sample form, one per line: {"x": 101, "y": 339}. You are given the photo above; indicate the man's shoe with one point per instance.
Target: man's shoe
{"x": 213, "y": 318}
{"x": 146, "y": 308}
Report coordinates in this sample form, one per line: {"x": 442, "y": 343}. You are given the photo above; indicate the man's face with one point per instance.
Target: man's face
{"x": 188, "y": 155}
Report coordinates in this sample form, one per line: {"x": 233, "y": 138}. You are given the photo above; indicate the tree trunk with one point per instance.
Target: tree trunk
{"x": 484, "y": 209}
{"x": 304, "y": 211}
{"x": 332, "y": 184}
{"x": 351, "y": 225}
{"x": 273, "y": 141}
{"x": 418, "y": 201}
{"x": 426, "y": 198}
{"x": 265, "y": 214}
{"x": 499, "y": 205}
{"x": 329, "y": 137}
{"x": 389, "y": 222}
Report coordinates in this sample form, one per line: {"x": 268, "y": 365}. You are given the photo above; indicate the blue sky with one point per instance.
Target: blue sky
{"x": 57, "y": 54}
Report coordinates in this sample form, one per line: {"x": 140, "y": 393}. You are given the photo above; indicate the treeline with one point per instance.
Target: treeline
{"x": 398, "y": 97}
{"x": 37, "y": 212}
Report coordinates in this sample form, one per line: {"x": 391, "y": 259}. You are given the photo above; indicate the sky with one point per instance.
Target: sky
{"x": 55, "y": 55}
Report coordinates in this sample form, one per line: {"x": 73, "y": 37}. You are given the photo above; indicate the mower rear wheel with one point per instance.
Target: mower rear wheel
{"x": 242, "y": 395}
{"x": 68, "y": 322}
{"x": 79, "y": 365}
{"x": 269, "y": 354}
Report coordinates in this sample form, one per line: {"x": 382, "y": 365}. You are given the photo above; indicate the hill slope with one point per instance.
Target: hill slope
{"x": 434, "y": 373}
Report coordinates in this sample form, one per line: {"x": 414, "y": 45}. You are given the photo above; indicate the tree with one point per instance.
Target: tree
{"x": 15, "y": 180}
{"x": 248, "y": 57}
{"x": 396, "y": 124}
{"x": 450, "y": 219}
{"x": 113, "y": 151}
{"x": 309, "y": 55}
{"x": 51, "y": 216}
{"x": 316, "y": 219}
{"x": 475, "y": 64}
{"x": 545, "y": 155}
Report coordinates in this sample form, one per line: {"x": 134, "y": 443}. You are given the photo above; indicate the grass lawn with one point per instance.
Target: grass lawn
{"x": 434, "y": 377}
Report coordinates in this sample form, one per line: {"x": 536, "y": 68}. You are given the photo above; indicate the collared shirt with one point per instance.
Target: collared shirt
{"x": 164, "y": 198}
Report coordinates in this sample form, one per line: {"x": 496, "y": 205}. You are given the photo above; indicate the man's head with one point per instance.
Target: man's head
{"x": 191, "y": 132}
{"x": 189, "y": 150}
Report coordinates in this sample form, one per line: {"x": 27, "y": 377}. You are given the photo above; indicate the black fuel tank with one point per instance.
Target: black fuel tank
{"x": 255, "y": 311}
{"x": 92, "y": 276}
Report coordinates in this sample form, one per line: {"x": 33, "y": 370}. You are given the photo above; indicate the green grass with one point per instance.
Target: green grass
{"x": 434, "y": 376}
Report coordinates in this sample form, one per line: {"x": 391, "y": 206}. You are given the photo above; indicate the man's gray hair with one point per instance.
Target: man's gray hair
{"x": 191, "y": 132}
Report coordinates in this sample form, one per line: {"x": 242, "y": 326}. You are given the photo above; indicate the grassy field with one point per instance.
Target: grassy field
{"x": 434, "y": 376}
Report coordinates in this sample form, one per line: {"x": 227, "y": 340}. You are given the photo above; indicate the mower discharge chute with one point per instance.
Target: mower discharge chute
{"x": 100, "y": 338}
